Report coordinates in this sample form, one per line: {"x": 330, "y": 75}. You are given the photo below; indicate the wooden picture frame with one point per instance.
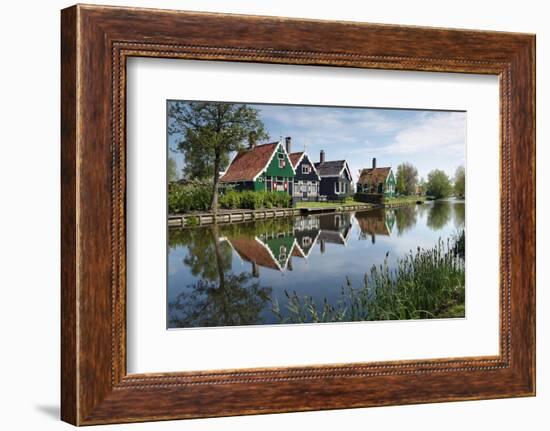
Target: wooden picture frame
{"x": 95, "y": 43}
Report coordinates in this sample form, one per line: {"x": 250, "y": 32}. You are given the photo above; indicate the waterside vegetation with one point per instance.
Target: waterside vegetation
{"x": 428, "y": 283}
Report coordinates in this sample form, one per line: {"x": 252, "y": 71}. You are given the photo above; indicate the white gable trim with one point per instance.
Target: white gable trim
{"x": 346, "y": 168}
{"x": 313, "y": 243}
{"x": 288, "y": 255}
{"x": 304, "y": 154}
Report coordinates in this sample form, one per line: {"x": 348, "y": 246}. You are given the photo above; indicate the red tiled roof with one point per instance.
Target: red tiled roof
{"x": 374, "y": 175}
{"x": 295, "y": 157}
{"x": 249, "y": 163}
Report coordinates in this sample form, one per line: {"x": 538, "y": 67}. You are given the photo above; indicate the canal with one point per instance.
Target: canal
{"x": 248, "y": 273}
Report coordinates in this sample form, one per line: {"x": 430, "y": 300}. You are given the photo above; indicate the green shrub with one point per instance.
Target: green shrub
{"x": 230, "y": 200}
{"x": 198, "y": 197}
{"x": 249, "y": 199}
{"x": 424, "y": 284}
{"x": 183, "y": 198}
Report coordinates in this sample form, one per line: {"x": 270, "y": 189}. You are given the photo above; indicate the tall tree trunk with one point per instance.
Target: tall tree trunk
{"x": 214, "y": 203}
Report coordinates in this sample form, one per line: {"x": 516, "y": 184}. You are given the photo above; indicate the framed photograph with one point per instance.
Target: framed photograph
{"x": 265, "y": 215}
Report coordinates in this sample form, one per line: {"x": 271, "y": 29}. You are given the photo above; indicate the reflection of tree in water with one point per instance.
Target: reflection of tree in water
{"x": 202, "y": 257}
{"x": 236, "y": 301}
{"x": 220, "y": 298}
{"x": 439, "y": 215}
{"x": 405, "y": 218}
{"x": 459, "y": 215}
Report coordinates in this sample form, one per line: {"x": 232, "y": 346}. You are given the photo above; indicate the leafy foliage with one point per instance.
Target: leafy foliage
{"x": 172, "y": 170}
{"x": 195, "y": 196}
{"x": 406, "y": 179}
{"x": 438, "y": 185}
{"x": 209, "y": 133}
{"x": 426, "y": 284}
{"x": 460, "y": 182}
{"x": 255, "y": 199}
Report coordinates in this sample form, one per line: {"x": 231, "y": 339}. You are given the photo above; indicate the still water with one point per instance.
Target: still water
{"x": 233, "y": 274}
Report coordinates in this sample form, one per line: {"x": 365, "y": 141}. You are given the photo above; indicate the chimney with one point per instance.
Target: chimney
{"x": 288, "y": 144}
{"x": 373, "y": 162}
{"x": 322, "y": 156}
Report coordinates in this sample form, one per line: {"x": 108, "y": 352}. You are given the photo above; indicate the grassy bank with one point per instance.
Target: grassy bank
{"x": 424, "y": 284}
{"x": 404, "y": 199}
{"x": 347, "y": 202}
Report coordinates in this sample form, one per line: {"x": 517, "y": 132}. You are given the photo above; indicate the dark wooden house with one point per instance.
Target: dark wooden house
{"x": 336, "y": 180}
{"x": 306, "y": 178}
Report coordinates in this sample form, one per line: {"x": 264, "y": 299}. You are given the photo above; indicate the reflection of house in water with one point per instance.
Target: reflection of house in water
{"x": 375, "y": 222}
{"x": 271, "y": 251}
{"x": 334, "y": 229}
{"x": 306, "y": 232}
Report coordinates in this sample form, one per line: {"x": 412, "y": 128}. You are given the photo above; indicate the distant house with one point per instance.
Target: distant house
{"x": 377, "y": 180}
{"x": 306, "y": 178}
{"x": 261, "y": 167}
{"x": 336, "y": 180}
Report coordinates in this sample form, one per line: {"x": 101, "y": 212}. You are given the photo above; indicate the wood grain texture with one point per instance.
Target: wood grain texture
{"x": 96, "y": 41}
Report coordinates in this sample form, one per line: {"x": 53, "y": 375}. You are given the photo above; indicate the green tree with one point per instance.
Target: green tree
{"x": 438, "y": 185}
{"x": 422, "y": 186}
{"x": 460, "y": 182}
{"x": 172, "y": 170}
{"x": 406, "y": 179}
{"x": 209, "y": 133}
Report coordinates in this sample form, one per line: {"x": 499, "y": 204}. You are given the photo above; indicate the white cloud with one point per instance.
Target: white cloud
{"x": 443, "y": 133}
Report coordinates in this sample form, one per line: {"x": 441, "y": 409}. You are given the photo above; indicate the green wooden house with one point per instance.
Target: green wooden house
{"x": 264, "y": 167}
{"x": 376, "y": 180}
{"x": 272, "y": 251}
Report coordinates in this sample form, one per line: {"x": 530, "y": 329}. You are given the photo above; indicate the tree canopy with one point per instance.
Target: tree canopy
{"x": 438, "y": 184}
{"x": 172, "y": 170}
{"x": 460, "y": 182}
{"x": 406, "y": 179}
{"x": 209, "y": 132}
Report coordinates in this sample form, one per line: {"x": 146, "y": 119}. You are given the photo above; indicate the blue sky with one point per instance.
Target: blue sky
{"x": 427, "y": 139}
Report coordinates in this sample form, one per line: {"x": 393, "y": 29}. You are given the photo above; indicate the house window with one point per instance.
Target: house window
{"x": 306, "y": 241}
{"x": 306, "y": 169}
{"x": 282, "y": 253}
{"x": 339, "y": 187}
{"x": 281, "y": 163}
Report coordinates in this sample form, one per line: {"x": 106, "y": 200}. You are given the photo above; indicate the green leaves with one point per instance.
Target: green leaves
{"x": 438, "y": 185}
{"x": 428, "y": 283}
{"x": 406, "y": 179}
{"x": 210, "y": 131}
{"x": 460, "y": 182}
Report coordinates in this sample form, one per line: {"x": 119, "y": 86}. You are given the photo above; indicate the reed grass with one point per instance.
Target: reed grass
{"x": 427, "y": 283}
